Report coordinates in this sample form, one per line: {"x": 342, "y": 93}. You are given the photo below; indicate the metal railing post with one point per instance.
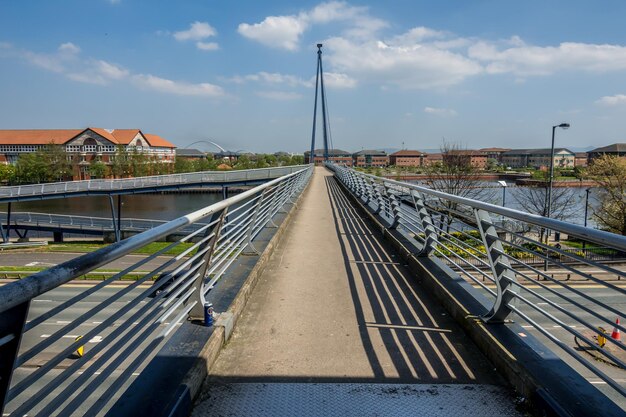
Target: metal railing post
{"x": 506, "y": 283}
{"x": 426, "y": 223}
{"x": 255, "y": 215}
{"x": 273, "y": 206}
{"x": 11, "y": 326}
{"x": 197, "y": 312}
{"x": 395, "y": 208}
{"x": 377, "y": 193}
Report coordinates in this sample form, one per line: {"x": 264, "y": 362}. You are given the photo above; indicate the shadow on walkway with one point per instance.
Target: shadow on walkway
{"x": 424, "y": 344}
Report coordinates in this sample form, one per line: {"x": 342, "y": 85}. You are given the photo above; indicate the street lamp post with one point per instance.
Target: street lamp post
{"x": 504, "y": 185}
{"x": 549, "y": 210}
{"x": 586, "y": 211}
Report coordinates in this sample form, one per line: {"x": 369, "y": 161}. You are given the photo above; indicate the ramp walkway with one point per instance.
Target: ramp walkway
{"x": 337, "y": 326}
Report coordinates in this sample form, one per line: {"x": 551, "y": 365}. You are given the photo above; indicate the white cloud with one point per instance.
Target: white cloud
{"x": 180, "y": 88}
{"x": 440, "y": 112}
{"x": 69, "y": 48}
{"x": 615, "y": 100}
{"x": 275, "y": 31}
{"x": 530, "y": 60}
{"x": 99, "y": 72}
{"x": 271, "y": 78}
{"x": 279, "y": 95}
{"x": 331, "y": 80}
{"x": 197, "y": 31}
{"x": 337, "y": 80}
{"x": 284, "y": 32}
{"x": 207, "y": 46}
{"x": 401, "y": 63}
{"x": 68, "y": 62}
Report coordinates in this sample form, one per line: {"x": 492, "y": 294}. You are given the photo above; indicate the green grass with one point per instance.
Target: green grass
{"x": 15, "y": 272}
{"x": 90, "y": 246}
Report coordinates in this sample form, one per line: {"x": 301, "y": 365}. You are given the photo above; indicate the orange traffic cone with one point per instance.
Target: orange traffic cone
{"x": 616, "y": 334}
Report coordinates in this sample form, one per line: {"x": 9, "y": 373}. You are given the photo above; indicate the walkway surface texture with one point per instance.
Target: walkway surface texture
{"x": 336, "y": 326}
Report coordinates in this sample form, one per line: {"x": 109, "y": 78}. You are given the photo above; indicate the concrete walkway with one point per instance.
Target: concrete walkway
{"x": 334, "y": 307}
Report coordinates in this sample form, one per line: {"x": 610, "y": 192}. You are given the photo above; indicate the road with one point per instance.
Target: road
{"x": 48, "y": 259}
{"x": 607, "y": 296}
{"x": 42, "y": 332}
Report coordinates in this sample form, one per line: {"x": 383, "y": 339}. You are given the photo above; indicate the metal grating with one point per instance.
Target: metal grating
{"x": 350, "y": 399}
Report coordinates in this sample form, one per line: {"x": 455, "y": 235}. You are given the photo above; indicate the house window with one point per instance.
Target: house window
{"x": 90, "y": 145}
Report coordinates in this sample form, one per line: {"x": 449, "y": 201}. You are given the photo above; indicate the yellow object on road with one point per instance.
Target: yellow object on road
{"x": 601, "y": 338}
{"x": 81, "y": 349}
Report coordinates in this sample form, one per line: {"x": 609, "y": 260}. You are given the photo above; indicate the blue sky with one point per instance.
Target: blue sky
{"x": 240, "y": 73}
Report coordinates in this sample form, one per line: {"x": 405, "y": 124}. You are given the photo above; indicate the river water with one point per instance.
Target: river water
{"x": 140, "y": 206}
{"x": 171, "y": 206}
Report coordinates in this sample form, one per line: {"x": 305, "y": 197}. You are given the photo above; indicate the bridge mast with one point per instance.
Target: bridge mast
{"x": 319, "y": 85}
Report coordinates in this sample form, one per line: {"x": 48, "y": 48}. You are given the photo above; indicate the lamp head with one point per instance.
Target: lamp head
{"x": 564, "y": 126}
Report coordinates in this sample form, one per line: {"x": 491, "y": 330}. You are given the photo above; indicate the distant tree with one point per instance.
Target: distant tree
{"x": 534, "y": 199}
{"x": 243, "y": 162}
{"x": 57, "y": 163}
{"x": 182, "y": 165}
{"x": 159, "y": 167}
{"x": 456, "y": 175}
{"x": 492, "y": 164}
{"x": 297, "y": 160}
{"x": 98, "y": 169}
{"x": 609, "y": 172}
{"x": 139, "y": 164}
{"x": 120, "y": 164}
{"x": 264, "y": 161}
{"x": 7, "y": 173}
{"x": 31, "y": 168}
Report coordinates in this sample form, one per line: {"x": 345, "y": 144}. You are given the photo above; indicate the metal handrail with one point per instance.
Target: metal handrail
{"x": 440, "y": 224}
{"x": 68, "y": 220}
{"x": 146, "y": 182}
{"x": 139, "y": 317}
{"x": 594, "y": 235}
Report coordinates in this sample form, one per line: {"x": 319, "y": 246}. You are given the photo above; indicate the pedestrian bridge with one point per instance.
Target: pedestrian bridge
{"x": 331, "y": 298}
{"x": 142, "y": 184}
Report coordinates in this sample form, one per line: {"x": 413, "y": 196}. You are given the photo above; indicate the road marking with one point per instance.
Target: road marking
{"x": 96, "y": 322}
{"x": 39, "y": 264}
{"x": 95, "y": 339}
{"x": 597, "y": 382}
{"x": 40, "y": 300}
{"x": 527, "y": 326}
{"x": 63, "y": 322}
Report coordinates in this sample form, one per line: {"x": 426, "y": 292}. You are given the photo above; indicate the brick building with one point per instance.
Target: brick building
{"x": 476, "y": 159}
{"x": 84, "y": 146}
{"x": 370, "y": 158}
{"x": 407, "y": 158}
{"x": 494, "y": 153}
{"x": 336, "y": 156}
{"x": 538, "y": 158}
{"x": 616, "y": 149}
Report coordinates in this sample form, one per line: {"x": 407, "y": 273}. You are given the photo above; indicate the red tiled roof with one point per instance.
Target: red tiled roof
{"x": 62, "y": 136}
{"x": 156, "y": 140}
{"x": 495, "y": 149}
{"x": 125, "y": 136}
{"x": 406, "y": 152}
{"x": 105, "y": 134}
{"x": 37, "y": 136}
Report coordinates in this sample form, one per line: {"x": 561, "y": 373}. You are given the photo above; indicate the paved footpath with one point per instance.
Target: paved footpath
{"x": 336, "y": 326}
